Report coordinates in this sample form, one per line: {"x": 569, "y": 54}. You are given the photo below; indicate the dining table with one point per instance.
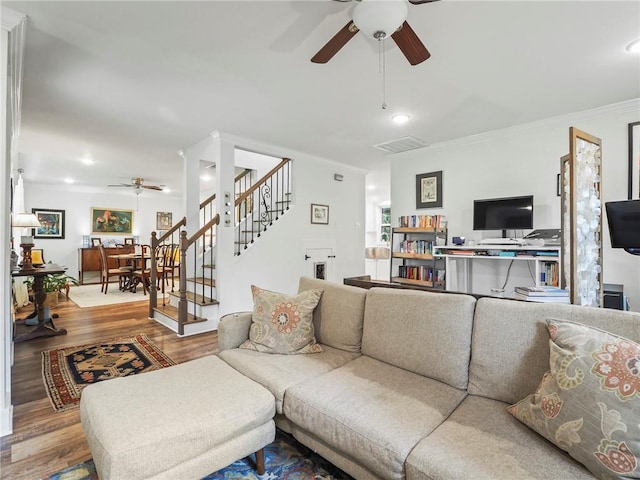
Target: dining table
{"x": 133, "y": 260}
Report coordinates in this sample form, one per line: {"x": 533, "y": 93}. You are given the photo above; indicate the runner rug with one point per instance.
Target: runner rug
{"x": 285, "y": 458}
{"x": 67, "y": 371}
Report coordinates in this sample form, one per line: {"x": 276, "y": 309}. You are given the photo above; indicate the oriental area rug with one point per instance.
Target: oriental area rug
{"x": 285, "y": 458}
{"x": 67, "y": 371}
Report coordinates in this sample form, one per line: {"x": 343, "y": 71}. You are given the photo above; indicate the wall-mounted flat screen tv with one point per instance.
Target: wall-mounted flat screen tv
{"x": 509, "y": 213}
{"x": 624, "y": 223}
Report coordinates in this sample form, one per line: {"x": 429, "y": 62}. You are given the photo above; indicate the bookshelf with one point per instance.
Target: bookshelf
{"x": 412, "y": 251}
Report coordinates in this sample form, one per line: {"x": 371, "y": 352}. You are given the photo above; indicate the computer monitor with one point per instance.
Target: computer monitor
{"x": 624, "y": 224}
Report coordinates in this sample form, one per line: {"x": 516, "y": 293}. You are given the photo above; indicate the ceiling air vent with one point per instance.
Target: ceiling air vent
{"x": 401, "y": 145}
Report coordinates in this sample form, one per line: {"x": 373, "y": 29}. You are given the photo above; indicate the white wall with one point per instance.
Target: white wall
{"x": 519, "y": 161}
{"x": 77, "y": 205}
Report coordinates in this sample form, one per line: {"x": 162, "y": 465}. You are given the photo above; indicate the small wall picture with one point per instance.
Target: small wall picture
{"x": 52, "y": 222}
{"x": 429, "y": 190}
{"x": 164, "y": 220}
{"x": 96, "y": 242}
{"x": 320, "y": 214}
{"x": 129, "y": 241}
{"x": 111, "y": 220}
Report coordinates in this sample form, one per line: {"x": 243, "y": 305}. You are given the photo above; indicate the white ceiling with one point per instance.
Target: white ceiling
{"x": 131, "y": 83}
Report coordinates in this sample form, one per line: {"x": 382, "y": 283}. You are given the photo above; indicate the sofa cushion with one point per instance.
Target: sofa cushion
{"x": 339, "y": 315}
{"x": 374, "y": 411}
{"x": 510, "y": 345}
{"x": 481, "y": 441}
{"x": 588, "y": 404}
{"x": 279, "y": 372}
{"x": 283, "y": 323}
{"x": 423, "y": 332}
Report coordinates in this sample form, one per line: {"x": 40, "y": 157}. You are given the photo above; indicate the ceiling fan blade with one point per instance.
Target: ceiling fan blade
{"x": 338, "y": 41}
{"x": 152, "y": 187}
{"x": 418, "y": 2}
{"x": 121, "y": 185}
{"x": 409, "y": 43}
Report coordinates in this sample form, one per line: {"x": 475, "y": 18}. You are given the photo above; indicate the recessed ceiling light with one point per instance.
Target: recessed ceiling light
{"x": 205, "y": 178}
{"x": 68, "y": 180}
{"x": 166, "y": 190}
{"x": 634, "y": 47}
{"x": 400, "y": 118}
{"x": 87, "y": 160}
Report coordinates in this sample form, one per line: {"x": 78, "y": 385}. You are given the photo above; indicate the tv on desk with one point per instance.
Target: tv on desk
{"x": 509, "y": 213}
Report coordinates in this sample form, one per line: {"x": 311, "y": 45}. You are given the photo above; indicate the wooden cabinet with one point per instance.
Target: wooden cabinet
{"x": 412, "y": 256}
{"x": 89, "y": 261}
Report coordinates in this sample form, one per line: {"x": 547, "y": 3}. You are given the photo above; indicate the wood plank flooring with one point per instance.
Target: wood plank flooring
{"x": 43, "y": 441}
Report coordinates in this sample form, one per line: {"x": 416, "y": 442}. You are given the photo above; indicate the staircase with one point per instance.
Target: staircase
{"x": 191, "y": 306}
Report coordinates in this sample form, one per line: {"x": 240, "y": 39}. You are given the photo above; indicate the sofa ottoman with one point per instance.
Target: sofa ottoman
{"x": 184, "y": 421}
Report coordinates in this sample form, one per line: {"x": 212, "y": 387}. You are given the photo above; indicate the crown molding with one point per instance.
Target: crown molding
{"x": 561, "y": 121}
{"x": 11, "y": 19}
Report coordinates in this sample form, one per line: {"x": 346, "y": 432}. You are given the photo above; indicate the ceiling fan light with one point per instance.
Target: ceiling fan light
{"x": 373, "y": 16}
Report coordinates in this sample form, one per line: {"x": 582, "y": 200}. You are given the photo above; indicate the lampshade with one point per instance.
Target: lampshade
{"x": 386, "y": 16}
{"x": 25, "y": 220}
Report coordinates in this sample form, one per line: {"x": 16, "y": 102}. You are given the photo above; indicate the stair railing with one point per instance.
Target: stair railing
{"x": 262, "y": 204}
{"x": 169, "y": 238}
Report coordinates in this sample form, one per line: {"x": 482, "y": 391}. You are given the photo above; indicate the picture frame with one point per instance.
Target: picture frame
{"x": 319, "y": 214}
{"x": 52, "y": 222}
{"x": 634, "y": 161}
{"x": 164, "y": 220}
{"x": 96, "y": 242}
{"x": 429, "y": 190}
{"x": 111, "y": 220}
{"x": 129, "y": 241}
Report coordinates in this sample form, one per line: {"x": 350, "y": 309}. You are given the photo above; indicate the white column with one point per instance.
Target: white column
{"x": 10, "y": 19}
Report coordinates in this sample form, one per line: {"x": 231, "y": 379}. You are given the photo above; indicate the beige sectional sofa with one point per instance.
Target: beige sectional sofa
{"x": 415, "y": 384}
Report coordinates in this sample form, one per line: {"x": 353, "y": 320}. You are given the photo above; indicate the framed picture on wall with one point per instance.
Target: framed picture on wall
{"x": 51, "y": 221}
{"x": 634, "y": 160}
{"x": 164, "y": 220}
{"x": 429, "y": 190}
{"x": 320, "y": 214}
{"x": 111, "y": 220}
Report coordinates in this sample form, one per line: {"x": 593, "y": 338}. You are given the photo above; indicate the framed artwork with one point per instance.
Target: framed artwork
{"x": 320, "y": 214}
{"x": 429, "y": 190}
{"x": 634, "y": 160}
{"x": 129, "y": 241}
{"x": 111, "y": 220}
{"x": 163, "y": 220}
{"x": 96, "y": 242}
{"x": 52, "y": 222}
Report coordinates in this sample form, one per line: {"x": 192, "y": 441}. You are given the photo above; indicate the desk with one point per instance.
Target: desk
{"x": 546, "y": 262}
{"x": 42, "y": 329}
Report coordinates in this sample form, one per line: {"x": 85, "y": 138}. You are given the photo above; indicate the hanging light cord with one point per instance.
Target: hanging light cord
{"x": 380, "y": 36}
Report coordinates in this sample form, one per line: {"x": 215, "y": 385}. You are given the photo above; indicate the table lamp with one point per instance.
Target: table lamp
{"x": 26, "y": 220}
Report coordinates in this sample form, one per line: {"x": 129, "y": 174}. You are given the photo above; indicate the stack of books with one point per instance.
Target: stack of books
{"x": 542, "y": 294}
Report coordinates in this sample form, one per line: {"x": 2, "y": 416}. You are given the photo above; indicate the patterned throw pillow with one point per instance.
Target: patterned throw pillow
{"x": 589, "y": 403}
{"x": 282, "y": 323}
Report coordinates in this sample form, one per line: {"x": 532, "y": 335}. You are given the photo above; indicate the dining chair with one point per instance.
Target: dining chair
{"x": 168, "y": 262}
{"x": 142, "y": 274}
{"x": 107, "y": 273}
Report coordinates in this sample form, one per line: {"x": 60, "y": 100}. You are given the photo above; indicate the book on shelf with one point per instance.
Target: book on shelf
{"x": 422, "y": 221}
{"x": 542, "y": 298}
{"x": 542, "y": 291}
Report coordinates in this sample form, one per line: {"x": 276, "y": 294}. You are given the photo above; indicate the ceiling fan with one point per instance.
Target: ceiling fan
{"x": 138, "y": 185}
{"x": 376, "y": 19}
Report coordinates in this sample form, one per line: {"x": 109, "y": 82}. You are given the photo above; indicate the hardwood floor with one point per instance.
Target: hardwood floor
{"x": 43, "y": 441}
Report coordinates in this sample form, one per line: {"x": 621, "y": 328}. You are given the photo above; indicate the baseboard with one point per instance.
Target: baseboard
{"x": 6, "y": 421}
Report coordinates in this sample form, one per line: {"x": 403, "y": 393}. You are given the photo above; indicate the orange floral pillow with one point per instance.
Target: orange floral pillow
{"x": 283, "y": 323}
{"x": 588, "y": 404}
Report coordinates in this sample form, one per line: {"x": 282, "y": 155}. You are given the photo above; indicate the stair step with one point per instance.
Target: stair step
{"x": 202, "y": 280}
{"x": 172, "y": 312}
{"x": 209, "y": 265}
{"x": 197, "y": 299}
